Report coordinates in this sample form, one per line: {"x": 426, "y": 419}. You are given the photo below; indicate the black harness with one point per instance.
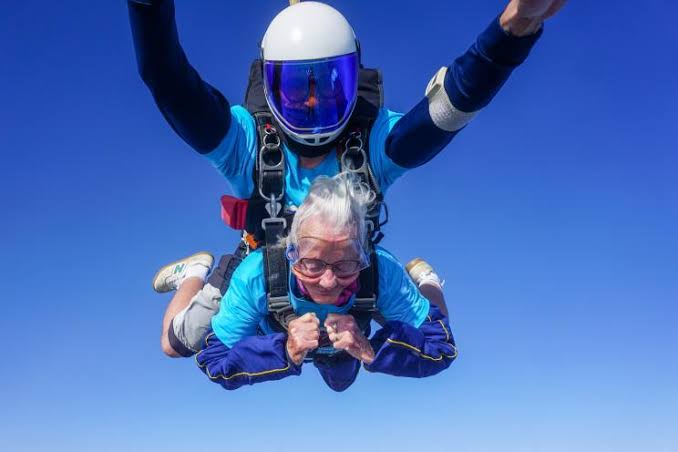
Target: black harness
{"x": 268, "y": 219}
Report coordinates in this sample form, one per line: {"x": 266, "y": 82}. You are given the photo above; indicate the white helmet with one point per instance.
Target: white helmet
{"x": 311, "y": 61}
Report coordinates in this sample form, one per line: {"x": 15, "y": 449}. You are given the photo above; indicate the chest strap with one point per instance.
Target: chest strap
{"x": 355, "y": 158}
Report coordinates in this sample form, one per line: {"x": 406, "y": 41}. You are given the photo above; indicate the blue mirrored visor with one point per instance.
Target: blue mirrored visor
{"x": 315, "y": 96}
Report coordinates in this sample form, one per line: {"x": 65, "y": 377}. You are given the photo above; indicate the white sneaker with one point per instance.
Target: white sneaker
{"x": 172, "y": 275}
{"x": 421, "y": 272}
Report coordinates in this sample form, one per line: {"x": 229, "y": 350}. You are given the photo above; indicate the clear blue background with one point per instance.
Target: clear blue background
{"x": 553, "y": 218}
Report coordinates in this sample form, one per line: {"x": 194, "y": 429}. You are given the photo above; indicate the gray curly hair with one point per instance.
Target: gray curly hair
{"x": 341, "y": 202}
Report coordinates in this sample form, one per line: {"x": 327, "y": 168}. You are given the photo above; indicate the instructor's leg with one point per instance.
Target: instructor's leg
{"x": 186, "y": 292}
{"x": 435, "y": 296}
{"x": 428, "y": 282}
{"x": 184, "y": 330}
{"x": 187, "y": 277}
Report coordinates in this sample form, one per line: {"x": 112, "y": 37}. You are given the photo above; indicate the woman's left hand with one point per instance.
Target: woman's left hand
{"x": 345, "y": 334}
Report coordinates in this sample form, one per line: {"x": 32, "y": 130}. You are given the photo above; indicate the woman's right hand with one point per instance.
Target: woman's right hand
{"x": 302, "y": 336}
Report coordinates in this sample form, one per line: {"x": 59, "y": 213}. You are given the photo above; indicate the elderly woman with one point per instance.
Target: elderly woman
{"x": 326, "y": 250}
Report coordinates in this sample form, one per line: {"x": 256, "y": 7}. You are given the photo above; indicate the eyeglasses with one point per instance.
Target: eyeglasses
{"x": 314, "y": 268}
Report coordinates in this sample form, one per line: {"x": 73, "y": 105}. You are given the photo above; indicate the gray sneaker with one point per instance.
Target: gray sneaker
{"x": 171, "y": 275}
{"x": 421, "y": 272}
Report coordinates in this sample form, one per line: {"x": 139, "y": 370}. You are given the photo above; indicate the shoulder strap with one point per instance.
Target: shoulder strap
{"x": 255, "y": 100}
{"x": 355, "y": 158}
{"x": 267, "y": 197}
{"x": 267, "y": 206}
{"x": 365, "y": 304}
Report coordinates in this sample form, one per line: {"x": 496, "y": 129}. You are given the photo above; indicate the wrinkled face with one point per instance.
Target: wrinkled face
{"x": 319, "y": 243}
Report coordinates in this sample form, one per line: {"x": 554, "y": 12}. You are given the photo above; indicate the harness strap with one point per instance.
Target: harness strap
{"x": 365, "y": 303}
{"x": 270, "y": 187}
{"x": 355, "y": 158}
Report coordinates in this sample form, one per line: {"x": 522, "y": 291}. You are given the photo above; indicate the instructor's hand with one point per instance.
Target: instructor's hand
{"x": 302, "y": 337}
{"x": 345, "y": 334}
{"x": 524, "y": 17}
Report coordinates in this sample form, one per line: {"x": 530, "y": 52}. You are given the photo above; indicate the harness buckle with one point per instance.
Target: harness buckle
{"x": 272, "y": 222}
{"x": 273, "y": 207}
{"x": 279, "y": 304}
{"x": 271, "y": 166}
{"x": 367, "y": 304}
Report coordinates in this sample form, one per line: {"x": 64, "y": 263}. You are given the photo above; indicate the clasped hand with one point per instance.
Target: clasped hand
{"x": 344, "y": 333}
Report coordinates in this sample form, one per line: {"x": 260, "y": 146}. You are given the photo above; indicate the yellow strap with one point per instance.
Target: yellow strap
{"x": 293, "y": 2}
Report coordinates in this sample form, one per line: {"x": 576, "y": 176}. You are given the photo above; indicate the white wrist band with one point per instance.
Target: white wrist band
{"x": 444, "y": 115}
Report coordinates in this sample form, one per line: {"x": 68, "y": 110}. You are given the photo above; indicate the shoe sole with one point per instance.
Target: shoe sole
{"x": 416, "y": 267}
{"x": 413, "y": 263}
{"x": 172, "y": 264}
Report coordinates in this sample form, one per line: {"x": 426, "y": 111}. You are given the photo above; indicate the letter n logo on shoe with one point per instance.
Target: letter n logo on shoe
{"x": 179, "y": 268}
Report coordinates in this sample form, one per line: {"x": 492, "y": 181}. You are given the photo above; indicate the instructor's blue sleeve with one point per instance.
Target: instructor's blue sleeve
{"x": 196, "y": 111}
{"x": 253, "y": 360}
{"x": 403, "y": 350}
{"x": 471, "y": 82}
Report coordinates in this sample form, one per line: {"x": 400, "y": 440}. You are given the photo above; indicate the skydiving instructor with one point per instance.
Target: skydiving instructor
{"x": 310, "y": 84}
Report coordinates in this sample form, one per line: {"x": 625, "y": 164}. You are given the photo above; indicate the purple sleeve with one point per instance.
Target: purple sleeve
{"x": 405, "y": 351}
{"x": 196, "y": 111}
{"x": 253, "y": 360}
{"x": 471, "y": 82}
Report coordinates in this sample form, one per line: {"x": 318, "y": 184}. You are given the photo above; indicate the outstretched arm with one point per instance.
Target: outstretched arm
{"x": 458, "y": 92}
{"x": 196, "y": 111}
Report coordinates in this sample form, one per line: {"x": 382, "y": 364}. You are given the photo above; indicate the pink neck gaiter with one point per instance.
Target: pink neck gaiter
{"x": 343, "y": 298}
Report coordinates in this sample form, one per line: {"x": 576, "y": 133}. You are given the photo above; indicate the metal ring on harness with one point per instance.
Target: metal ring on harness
{"x": 270, "y": 132}
{"x": 271, "y": 160}
{"x": 354, "y": 147}
{"x": 354, "y": 160}
{"x": 355, "y": 136}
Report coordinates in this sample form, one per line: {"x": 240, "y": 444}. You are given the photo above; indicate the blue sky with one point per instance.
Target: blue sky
{"x": 553, "y": 219}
